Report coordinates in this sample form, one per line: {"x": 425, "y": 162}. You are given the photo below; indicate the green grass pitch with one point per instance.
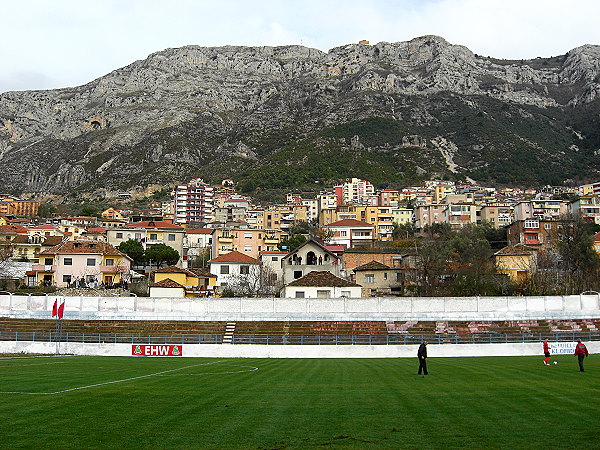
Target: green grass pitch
{"x": 110, "y": 402}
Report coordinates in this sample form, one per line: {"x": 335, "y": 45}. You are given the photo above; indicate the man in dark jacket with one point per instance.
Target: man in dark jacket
{"x": 581, "y": 352}
{"x": 422, "y": 355}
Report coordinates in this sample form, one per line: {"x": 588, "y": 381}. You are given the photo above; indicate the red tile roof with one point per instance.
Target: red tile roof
{"x": 13, "y": 228}
{"x": 322, "y": 279}
{"x": 167, "y": 283}
{"x": 349, "y": 223}
{"x": 235, "y": 257}
{"x": 199, "y": 230}
{"x": 373, "y": 265}
{"x": 83, "y": 247}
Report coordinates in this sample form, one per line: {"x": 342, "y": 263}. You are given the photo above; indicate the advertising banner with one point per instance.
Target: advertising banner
{"x": 562, "y": 348}
{"x": 156, "y": 350}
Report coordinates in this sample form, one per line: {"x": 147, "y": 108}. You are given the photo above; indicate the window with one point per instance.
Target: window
{"x": 547, "y": 226}
{"x": 48, "y": 261}
{"x": 91, "y": 261}
{"x": 153, "y": 236}
{"x": 119, "y": 235}
{"x": 66, "y": 278}
{"x": 299, "y": 294}
{"x": 171, "y": 237}
{"x": 385, "y": 275}
{"x": 297, "y": 274}
{"x": 110, "y": 262}
{"x": 323, "y": 293}
{"x": 532, "y": 224}
{"x": 244, "y": 270}
{"x": 247, "y": 248}
{"x": 247, "y": 235}
{"x": 343, "y": 233}
{"x": 224, "y": 270}
{"x": 274, "y": 258}
{"x": 68, "y": 262}
{"x": 369, "y": 278}
{"x": 346, "y": 294}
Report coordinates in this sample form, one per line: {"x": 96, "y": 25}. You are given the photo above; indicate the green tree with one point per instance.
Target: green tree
{"x": 134, "y": 249}
{"x": 160, "y": 254}
{"x": 46, "y": 210}
{"x": 292, "y": 242}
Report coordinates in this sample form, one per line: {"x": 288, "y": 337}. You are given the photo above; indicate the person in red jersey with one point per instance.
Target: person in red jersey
{"x": 581, "y": 352}
{"x": 546, "y": 352}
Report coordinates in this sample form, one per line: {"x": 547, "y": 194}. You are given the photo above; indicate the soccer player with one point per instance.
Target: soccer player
{"x": 546, "y": 352}
{"x": 422, "y": 355}
{"x": 581, "y": 352}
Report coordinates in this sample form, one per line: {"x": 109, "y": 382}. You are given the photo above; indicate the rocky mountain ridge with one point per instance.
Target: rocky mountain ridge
{"x": 232, "y": 112}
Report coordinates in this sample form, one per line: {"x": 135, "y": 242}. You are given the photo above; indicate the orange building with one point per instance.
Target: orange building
{"x": 15, "y": 207}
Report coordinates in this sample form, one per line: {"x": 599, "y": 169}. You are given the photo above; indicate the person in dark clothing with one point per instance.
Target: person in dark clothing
{"x": 422, "y": 355}
{"x": 581, "y": 352}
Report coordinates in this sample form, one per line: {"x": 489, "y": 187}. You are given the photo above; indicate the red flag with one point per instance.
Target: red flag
{"x": 61, "y": 310}
{"x": 54, "y": 308}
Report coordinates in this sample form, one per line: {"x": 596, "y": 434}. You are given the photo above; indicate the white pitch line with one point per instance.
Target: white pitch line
{"x": 109, "y": 382}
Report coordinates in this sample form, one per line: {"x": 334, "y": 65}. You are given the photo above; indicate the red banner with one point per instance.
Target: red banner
{"x": 156, "y": 350}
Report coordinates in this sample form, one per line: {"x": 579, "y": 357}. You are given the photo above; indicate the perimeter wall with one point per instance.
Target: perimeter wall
{"x": 336, "y": 309}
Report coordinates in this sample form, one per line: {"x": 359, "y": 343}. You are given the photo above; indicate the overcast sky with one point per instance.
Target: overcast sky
{"x": 50, "y": 44}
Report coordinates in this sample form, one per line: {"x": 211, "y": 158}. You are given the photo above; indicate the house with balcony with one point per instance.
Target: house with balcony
{"x": 457, "y": 215}
{"x": 27, "y": 248}
{"x": 350, "y": 233}
{"x": 244, "y": 239}
{"x": 497, "y": 215}
{"x": 83, "y": 262}
{"x": 534, "y": 233}
{"x": 588, "y": 208}
{"x": 308, "y": 257}
{"x": 540, "y": 209}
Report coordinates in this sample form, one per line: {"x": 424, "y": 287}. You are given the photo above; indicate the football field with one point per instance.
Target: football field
{"x": 110, "y": 402}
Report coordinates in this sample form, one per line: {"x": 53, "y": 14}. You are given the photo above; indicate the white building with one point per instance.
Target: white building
{"x": 193, "y": 202}
{"x": 322, "y": 284}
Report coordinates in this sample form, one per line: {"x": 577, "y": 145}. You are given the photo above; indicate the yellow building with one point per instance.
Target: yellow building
{"x": 197, "y": 282}
{"x": 112, "y": 214}
{"x": 517, "y": 261}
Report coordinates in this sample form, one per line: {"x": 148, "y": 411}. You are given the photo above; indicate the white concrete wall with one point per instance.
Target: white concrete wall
{"x": 240, "y": 309}
{"x": 292, "y": 351}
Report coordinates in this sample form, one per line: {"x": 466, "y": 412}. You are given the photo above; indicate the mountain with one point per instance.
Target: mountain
{"x": 281, "y": 118}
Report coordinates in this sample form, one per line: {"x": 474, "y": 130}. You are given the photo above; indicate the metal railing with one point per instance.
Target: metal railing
{"x": 363, "y": 339}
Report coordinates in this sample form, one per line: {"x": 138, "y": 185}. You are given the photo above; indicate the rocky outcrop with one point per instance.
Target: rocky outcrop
{"x": 182, "y": 109}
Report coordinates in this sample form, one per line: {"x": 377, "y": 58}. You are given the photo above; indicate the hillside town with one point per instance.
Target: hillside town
{"x": 348, "y": 241}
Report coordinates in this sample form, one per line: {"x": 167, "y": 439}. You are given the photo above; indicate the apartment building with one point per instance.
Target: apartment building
{"x": 588, "y": 208}
{"x": 249, "y": 241}
{"x": 540, "y": 209}
{"x": 497, "y": 215}
{"x": 193, "y": 202}
{"x": 16, "y": 207}
{"x": 535, "y": 233}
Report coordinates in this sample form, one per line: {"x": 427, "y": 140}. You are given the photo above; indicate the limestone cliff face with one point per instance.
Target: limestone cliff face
{"x": 188, "y": 111}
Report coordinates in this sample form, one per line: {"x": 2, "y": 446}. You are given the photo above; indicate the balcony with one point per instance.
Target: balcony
{"x": 271, "y": 240}
{"x": 43, "y": 268}
{"x": 113, "y": 269}
{"x": 225, "y": 239}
